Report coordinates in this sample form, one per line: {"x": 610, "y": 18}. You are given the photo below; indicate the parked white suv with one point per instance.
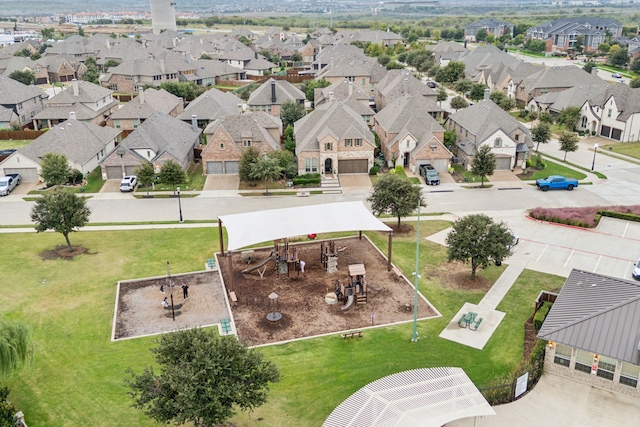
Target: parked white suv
{"x": 128, "y": 183}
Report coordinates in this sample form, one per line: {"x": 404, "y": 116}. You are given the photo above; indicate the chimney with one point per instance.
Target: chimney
{"x": 194, "y": 122}
{"x": 108, "y": 44}
{"x": 273, "y": 91}
{"x": 76, "y": 90}
{"x": 594, "y": 71}
{"x": 332, "y": 63}
{"x": 141, "y": 95}
{"x": 162, "y": 66}
{"x": 487, "y": 92}
{"x": 240, "y": 109}
{"x": 72, "y": 115}
{"x": 256, "y": 55}
{"x": 405, "y": 85}
{"x": 350, "y": 88}
{"x": 330, "y": 96}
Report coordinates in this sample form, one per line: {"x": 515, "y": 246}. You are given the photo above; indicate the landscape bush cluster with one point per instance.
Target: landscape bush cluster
{"x": 310, "y": 178}
{"x": 541, "y": 314}
{"x": 587, "y": 217}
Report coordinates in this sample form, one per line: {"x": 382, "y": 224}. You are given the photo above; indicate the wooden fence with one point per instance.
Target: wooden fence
{"x": 20, "y": 134}
{"x": 544, "y": 296}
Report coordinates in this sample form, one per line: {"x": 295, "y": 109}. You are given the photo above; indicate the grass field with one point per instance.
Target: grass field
{"x": 554, "y": 168}
{"x": 6, "y": 144}
{"x": 79, "y": 374}
{"x": 631, "y": 149}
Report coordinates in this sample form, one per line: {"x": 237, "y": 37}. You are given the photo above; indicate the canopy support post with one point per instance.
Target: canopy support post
{"x": 220, "y": 237}
{"x": 389, "y": 252}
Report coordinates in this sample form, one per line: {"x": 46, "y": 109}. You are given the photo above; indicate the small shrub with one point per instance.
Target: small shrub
{"x": 533, "y": 115}
{"x": 373, "y": 170}
{"x": 540, "y": 163}
{"x": 528, "y": 163}
{"x": 307, "y": 179}
{"x": 399, "y": 169}
{"x": 523, "y": 114}
{"x": 75, "y": 176}
{"x": 541, "y": 314}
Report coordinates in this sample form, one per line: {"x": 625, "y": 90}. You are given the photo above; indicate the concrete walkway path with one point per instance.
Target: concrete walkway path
{"x": 500, "y": 288}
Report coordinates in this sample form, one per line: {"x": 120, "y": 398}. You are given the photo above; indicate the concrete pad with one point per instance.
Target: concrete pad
{"x": 446, "y": 178}
{"x": 222, "y": 182}
{"x": 504, "y": 175}
{"x": 476, "y": 339}
{"x": 111, "y": 186}
{"x": 558, "y": 401}
{"x": 354, "y": 180}
{"x": 24, "y": 188}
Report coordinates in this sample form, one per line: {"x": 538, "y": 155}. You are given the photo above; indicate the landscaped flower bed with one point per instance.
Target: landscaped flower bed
{"x": 585, "y": 217}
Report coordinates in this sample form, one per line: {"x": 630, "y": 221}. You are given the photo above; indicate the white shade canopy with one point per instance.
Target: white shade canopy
{"x": 256, "y": 227}
{"x": 428, "y": 397}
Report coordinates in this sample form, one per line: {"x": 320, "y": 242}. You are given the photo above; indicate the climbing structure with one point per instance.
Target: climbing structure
{"x": 329, "y": 256}
{"x": 358, "y": 282}
{"x": 287, "y": 257}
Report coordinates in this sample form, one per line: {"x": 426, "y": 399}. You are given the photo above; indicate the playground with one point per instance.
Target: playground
{"x": 316, "y": 301}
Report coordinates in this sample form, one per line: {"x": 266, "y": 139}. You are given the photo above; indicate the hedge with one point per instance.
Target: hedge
{"x": 541, "y": 314}
{"x": 310, "y": 178}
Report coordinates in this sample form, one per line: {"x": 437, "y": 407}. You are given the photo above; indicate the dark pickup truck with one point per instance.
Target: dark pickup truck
{"x": 8, "y": 183}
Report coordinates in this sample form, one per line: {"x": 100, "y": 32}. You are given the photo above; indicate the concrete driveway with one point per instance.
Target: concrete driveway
{"x": 221, "y": 182}
{"x": 504, "y": 175}
{"x": 357, "y": 181}
{"x": 24, "y": 188}
{"x": 111, "y": 186}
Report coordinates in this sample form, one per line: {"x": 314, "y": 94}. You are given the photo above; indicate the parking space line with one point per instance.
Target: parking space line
{"x": 542, "y": 253}
{"x": 596, "y": 266}
{"x": 625, "y": 230}
{"x": 567, "y": 261}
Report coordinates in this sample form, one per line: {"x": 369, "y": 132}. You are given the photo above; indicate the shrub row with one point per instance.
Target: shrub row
{"x": 585, "y": 217}
{"x": 311, "y": 178}
{"x": 541, "y": 314}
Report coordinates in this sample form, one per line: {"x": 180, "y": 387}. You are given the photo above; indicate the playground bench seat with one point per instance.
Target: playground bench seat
{"x": 463, "y": 321}
{"x": 352, "y": 334}
{"x": 233, "y": 297}
{"x": 474, "y": 325}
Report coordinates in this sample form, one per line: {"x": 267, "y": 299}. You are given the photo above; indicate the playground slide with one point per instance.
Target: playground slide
{"x": 271, "y": 257}
{"x": 349, "y": 303}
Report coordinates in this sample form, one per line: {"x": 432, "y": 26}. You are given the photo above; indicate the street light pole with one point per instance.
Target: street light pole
{"x": 180, "y": 206}
{"x": 416, "y": 277}
{"x": 595, "y": 151}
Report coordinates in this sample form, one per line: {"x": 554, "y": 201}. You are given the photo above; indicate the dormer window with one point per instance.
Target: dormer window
{"x": 246, "y": 142}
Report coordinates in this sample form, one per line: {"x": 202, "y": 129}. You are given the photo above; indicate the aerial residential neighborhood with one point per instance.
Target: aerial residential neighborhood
{"x": 359, "y": 214}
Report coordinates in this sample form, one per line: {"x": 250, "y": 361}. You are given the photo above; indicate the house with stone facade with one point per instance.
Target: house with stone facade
{"x": 270, "y": 95}
{"x": 593, "y": 333}
{"x": 87, "y": 101}
{"x": 410, "y": 137}
{"x": 25, "y": 101}
{"x": 350, "y": 95}
{"x": 158, "y": 139}
{"x": 228, "y": 137}
{"x": 84, "y": 145}
{"x": 487, "y": 124}
{"x": 333, "y": 139}
{"x": 140, "y": 108}
{"x": 614, "y": 113}
{"x": 130, "y": 76}
{"x": 399, "y": 82}
{"x": 364, "y": 72}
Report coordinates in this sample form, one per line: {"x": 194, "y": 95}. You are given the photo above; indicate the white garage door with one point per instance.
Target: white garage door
{"x": 214, "y": 168}
{"x": 26, "y": 174}
{"x": 114, "y": 172}
{"x": 231, "y": 167}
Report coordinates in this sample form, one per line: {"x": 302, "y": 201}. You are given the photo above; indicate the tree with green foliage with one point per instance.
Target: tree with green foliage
{"x": 203, "y": 379}
{"x": 91, "y": 74}
{"x": 569, "y": 117}
{"x": 296, "y": 58}
{"x": 23, "y": 53}
{"x": 111, "y": 63}
{"x": 54, "y": 169}
{"x": 451, "y": 73}
{"x": 604, "y": 47}
{"x": 483, "y": 163}
{"x": 16, "y": 349}
{"x": 634, "y": 83}
{"x": 289, "y": 140}
{"x": 481, "y": 34}
{"x": 244, "y": 92}
{"x": 146, "y": 175}
{"x": 48, "y": 33}
{"x": 589, "y": 66}
{"x": 7, "y": 409}
{"x": 579, "y": 44}
{"x": 374, "y": 50}
{"x": 568, "y": 143}
{"x": 619, "y": 57}
{"x": 286, "y": 161}
{"x": 442, "y": 95}
{"x": 266, "y": 168}
{"x": 384, "y": 59}
{"x": 185, "y": 90}
{"x": 635, "y": 65}
{"x": 546, "y": 117}
{"x": 61, "y": 211}
{"x": 248, "y": 157}
{"x": 26, "y": 77}
{"x": 309, "y": 86}
{"x": 291, "y": 112}
{"x": 245, "y": 41}
{"x": 171, "y": 173}
{"x": 395, "y": 195}
{"x": 541, "y": 134}
{"x": 502, "y": 100}
{"x": 535, "y": 45}
{"x": 450, "y": 138}
{"x": 458, "y": 102}
{"x": 463, "y": 86}
{"x": 479, "y": 240}
{"x": 477, "y": 92}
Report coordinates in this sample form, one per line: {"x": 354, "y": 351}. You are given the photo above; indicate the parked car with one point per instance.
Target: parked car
{"x": 128, "y": 183}
{"x": 431, "y": 84}
{"x": 555, "y": 182}
{"x": 430, "y": 175}
{"x": 616, "y": 75}
{"x": 9, "y": 183}
{"x": 636, "y": 271}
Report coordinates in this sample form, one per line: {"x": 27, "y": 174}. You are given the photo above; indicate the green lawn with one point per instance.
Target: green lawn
{"x": 554, "y": 168}
{"x": 195, "y": 181}
{"x": 631, "y": 149}
{"x": 78, "y": 374}
{"x": 6, "y": 144}
{"x": 469, "y": 175}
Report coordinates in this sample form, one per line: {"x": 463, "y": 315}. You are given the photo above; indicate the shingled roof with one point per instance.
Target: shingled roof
{"x": 13, "y": 92}
{"x": 596, "y": 313}
{"x": 285, "y": 91}
{"x": 253, "y": 124}
{"x": 143, "y": 106}
{"x": 211, "y": 105}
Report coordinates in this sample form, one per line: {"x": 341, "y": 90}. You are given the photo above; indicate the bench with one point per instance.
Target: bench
{"x": 475, "y": 324}
{"x": 352, "y": 334}
{"x": 211, "y": 264}
{"x": 463, "y": 321}
{"x": 225, "y": 325}
{"x": 233, "y": 297}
